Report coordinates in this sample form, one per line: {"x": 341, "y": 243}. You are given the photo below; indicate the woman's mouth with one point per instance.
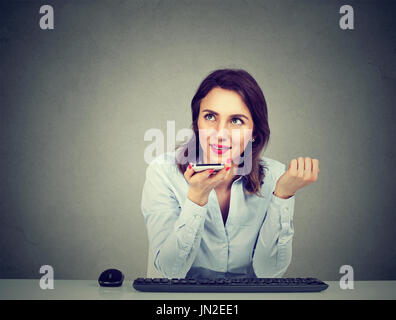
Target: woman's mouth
{"x": 219, "y": 149}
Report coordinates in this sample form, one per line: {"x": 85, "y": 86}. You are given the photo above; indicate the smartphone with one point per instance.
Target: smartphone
{"x": 205, "y": 166}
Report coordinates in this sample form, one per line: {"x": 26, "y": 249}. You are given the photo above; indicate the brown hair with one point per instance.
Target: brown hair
{"x": 246, "y": 86}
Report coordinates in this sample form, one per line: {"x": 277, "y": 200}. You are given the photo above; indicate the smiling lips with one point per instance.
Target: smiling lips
{"x": 219, "y": 149}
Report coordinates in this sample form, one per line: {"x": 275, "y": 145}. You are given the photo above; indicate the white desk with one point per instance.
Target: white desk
{"x": 29, "y": 289}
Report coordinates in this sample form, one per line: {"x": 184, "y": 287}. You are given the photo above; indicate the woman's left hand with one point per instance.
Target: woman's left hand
{"x": 301, "y": 172}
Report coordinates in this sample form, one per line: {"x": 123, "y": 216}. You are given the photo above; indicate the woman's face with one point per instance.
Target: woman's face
{"x": 225, "y": 126}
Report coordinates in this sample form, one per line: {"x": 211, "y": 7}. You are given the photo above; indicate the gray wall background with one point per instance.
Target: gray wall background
{"x": 76, "y": 102}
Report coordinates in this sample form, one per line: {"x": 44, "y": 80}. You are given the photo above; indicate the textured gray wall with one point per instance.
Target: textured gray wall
{"x": 76, "y": 102}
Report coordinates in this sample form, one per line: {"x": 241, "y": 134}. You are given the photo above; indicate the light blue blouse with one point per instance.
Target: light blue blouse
{"x": 191, "y": 241}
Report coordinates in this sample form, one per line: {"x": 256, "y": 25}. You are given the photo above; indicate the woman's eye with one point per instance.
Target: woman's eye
{"x": 234, "y": 121}
{"x": 237, "y": 121}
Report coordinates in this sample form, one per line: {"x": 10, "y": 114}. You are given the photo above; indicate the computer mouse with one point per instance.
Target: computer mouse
{"x": 111, "y": 278}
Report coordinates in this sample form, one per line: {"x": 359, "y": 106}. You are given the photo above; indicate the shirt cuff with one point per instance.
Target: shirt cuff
{"x": 285, "y": 207}
{"x": 192, "y": 213}
{"x": 195, "y": 209}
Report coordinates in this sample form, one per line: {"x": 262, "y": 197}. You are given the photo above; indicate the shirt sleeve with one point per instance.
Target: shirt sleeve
{"x": 273, "y": 251}
{"x": 174, "y": 229}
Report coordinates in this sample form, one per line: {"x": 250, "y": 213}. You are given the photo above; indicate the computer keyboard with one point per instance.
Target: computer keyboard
{"x": 230, "y": 285}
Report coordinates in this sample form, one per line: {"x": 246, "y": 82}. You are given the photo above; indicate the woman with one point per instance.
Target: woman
{"x": 236, "y": 222}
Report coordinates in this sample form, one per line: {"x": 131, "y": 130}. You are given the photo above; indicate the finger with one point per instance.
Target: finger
{"x": 189, "y": 172}
{"x": 229, "y": 171}
{"x": 300, "y": 167}
{"x": 220, "y": 175}
{"x": 308, "y": 164}
{"x": 315, "y": 168}
{"x": 228, "y": 165}
{"x": 209, "y": 172}
{"x": 315, "y": 165}
{"x": 307, "y": 168}
{"x": 205, "y": 174}
{"x": 226, "y": 169}
{"x": 293, "y": 165}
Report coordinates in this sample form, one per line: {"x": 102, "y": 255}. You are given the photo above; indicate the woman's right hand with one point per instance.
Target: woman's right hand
{"x": 202, "y": 183}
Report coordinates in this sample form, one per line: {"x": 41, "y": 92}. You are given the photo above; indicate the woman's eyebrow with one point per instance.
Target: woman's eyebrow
{"x": 233, "y": 115}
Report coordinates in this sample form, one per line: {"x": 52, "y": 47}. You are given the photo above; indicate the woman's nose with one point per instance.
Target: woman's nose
{"x": 223, "y": 133}
{"x": 219, "y": 133}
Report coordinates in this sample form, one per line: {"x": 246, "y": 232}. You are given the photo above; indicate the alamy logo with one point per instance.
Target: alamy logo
{"x": 47, "y": 20}
{"x": 346, "y": 281}
{"x": 346, "y": 21}
{"x": 47, "y": 280}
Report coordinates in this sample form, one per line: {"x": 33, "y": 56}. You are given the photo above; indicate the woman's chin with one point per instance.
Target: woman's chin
{"x": 219, "y": 157}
